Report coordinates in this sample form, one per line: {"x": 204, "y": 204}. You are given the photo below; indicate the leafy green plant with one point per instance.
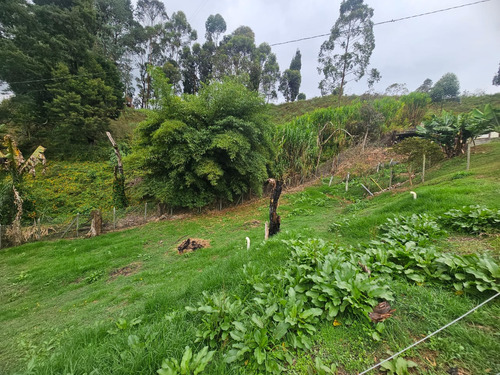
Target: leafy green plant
{"x": 398, "y": 366}
{"x": 420, "y": 228}
{"x": 338, "y": 225}
{"x": 473, "y": 219}
{"x": 218, "y": 313}
{"x": 93, "y": 277}
{"x": 189, "y": 365}
{"x": 122, "y": 324}
{"x": 322, "y": 369}
{"x": 405, "y": 249}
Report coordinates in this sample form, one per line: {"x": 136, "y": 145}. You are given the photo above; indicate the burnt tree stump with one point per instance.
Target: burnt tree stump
{"x": 274, "y": 218}
{"x": 189, "y": 245}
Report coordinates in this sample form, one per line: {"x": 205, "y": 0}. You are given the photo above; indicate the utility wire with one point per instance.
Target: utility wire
{"x": 95, "y": 75}
{"x": 384, "y": 22}
{"x": 287, "y": 42}
{"x": 432, "y": 334}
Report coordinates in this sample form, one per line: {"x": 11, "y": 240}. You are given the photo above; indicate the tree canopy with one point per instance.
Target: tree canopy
{"x": 44, "y": 56}
{"x": 447, "y": 88}
{"x": 346, "y": 54}
{"x": 496, "y": 77}
{"x": 291, "y": 79}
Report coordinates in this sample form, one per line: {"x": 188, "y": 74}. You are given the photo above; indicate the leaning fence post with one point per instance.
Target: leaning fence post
{"x": 367, "y": 190}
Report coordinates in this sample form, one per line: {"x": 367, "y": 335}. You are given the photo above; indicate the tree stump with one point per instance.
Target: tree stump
{"x": 96, "y": 225}
{"x": 274, "y": 218}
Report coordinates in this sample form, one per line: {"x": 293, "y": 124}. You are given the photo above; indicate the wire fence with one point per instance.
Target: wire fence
{"x": 77, "y": 226}
{"x": 375, "y": 180}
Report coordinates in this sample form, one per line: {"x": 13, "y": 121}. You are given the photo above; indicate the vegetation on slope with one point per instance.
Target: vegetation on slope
{"x": 116, "y": 303}
{"x": 286, "y": 112}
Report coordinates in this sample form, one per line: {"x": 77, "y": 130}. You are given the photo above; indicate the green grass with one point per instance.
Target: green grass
{"x": 60, "y": 302}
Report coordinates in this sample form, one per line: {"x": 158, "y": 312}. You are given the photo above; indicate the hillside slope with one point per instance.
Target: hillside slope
{"x": 116, "y": 304}
{"x": 286, "y": 112}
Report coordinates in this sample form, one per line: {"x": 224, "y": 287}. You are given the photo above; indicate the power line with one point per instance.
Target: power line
{"x": 204, "y": 2}
{"x": 96, "y": 75}
{"x": 388, "y": 21}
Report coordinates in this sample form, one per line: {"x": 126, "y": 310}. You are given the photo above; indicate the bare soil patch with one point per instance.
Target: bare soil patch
{"x": 128, "y": 270}
{"x": 192, "y": 244}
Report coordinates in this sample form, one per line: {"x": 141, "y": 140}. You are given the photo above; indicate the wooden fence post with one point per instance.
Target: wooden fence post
{"x": 423, "y": 168}
{"x": 145, "y": 211}
{"x": 468, "y": 155}
{"x": 39, "y": 229}
{"x": 114, "y": 218}
{"x": 347, "y": 182}
{"x": 77, "y": 223}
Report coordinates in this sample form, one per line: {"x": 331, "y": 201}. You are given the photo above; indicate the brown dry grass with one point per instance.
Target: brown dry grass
{"x": 357, "y": 161}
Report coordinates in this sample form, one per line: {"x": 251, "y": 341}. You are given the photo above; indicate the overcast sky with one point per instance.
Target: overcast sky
{"x": 464, "y": 41}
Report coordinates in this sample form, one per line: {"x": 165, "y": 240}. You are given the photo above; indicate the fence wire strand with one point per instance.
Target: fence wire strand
{"x": 430, "y": 335}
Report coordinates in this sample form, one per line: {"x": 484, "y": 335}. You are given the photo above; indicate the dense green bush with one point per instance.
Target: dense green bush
{"x": 199, "y": 149}
{"x": 473, "y": 219}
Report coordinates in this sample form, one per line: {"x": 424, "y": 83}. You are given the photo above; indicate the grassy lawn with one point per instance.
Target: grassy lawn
{"x": 116, "y": 304}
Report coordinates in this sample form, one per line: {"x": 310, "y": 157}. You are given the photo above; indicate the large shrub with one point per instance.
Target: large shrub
{"x": 199, "y": 149}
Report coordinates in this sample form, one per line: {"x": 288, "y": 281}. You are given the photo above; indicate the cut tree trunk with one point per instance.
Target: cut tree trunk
{"x": 96, "y": 225}
{"x": 117, "y": 153}
{"x": 274, "y": 218}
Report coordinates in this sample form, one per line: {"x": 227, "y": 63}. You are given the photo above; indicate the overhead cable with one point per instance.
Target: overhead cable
{"x": 388, "y": 21}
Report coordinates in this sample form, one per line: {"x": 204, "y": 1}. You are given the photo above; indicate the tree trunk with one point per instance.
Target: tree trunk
{"x": 16, "y": 233}
{"x": 96, "y": 225}
{"x": 364, "y": 140}
{"x": 274, "y": 218}
{"x": 119, "y": 196}
{"x": 117, "y": 153}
